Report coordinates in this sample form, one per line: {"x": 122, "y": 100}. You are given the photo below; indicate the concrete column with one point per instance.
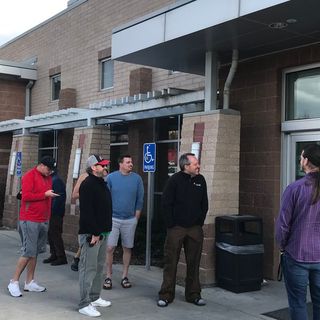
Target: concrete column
{"x": 91, "y": 140}
{"x": 211, "y": 81}
{"x": 28, "y": 145}
{"x": 219, "y": 134}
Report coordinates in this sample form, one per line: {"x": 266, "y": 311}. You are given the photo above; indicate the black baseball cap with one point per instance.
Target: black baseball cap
{"x": 48, "y": 162}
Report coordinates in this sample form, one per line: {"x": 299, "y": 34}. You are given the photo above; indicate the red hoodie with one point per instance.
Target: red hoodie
{"x": 35, "y": 206}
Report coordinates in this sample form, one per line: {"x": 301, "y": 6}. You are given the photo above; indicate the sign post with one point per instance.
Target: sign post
{"x": 19, "y": 174}
{"x": 149, "y": 165}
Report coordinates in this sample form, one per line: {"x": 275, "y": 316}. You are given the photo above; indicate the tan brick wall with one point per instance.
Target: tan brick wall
{"x": 5, "y": 146}
{"x": 28, "y": 145}
{"x": 65, "y": 138}
{"x": 220, "y": 152}
{"x": 73, "y": 42}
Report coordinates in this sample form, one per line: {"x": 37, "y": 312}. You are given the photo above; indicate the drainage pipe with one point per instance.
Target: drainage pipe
{"x": 227, "y": 85}
{"x": 28, "y": 98}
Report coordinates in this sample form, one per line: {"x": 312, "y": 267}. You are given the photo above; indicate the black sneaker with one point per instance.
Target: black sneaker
{"x": 50, "y": 259}
{"x": 59, "y": 262}
{"x": 75, "y": 264}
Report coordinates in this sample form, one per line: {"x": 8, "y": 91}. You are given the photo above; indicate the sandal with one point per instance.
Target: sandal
{"x": 125, "y": 283}
{"x": 107, "y": 284}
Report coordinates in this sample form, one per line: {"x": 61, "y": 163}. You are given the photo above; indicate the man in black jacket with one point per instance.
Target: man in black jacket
{"x": 95, "y": 225}
{"x": 57, "y": 253}
{"x": 185, "y": 205}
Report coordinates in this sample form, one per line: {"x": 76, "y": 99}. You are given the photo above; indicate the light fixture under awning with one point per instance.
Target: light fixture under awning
{"x": 164, "y": 39}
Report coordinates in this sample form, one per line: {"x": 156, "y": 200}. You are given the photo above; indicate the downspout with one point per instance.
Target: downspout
{"x": 227, "y": 85}
{"x": 28, "y": 98}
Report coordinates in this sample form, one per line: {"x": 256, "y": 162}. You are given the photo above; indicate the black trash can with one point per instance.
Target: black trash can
{"x": 239, "y": 253}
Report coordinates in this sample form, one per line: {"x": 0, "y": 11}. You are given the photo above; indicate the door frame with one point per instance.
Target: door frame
{"x": 289, "y": 153}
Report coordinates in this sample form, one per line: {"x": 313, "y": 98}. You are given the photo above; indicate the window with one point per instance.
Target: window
{"x": 119, "y": 143}
{"x": 48, "y": 144}
{"x": 55, "y": 87}
{"x": 107, "y": 73}
{"x": 302, "y": 94}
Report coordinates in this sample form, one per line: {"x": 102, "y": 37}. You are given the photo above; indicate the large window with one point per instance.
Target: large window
{"x": 107, "y": 73}
{"x": 55, "y": 87}
{"x": 302, "y": 94}
{"x": 48, "y": 144}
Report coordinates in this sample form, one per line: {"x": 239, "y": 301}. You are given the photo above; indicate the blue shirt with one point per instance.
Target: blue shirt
{"x": 127, "y": 194}
{"x": 298, "y": 223}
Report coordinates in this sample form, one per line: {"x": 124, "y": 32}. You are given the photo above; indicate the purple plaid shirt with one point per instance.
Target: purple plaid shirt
{"x": 298, "y": 223}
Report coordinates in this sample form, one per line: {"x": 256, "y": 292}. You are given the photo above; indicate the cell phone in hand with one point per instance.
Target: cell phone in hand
{"x": 89, "y": 238}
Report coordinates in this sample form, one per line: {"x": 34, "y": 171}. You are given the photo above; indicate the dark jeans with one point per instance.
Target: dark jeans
{"x": 297, "y": 276}
{"x": 55, "y": 237}
{"x": 191, "y": 239}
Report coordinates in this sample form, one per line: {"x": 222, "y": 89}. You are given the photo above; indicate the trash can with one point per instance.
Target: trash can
{"x": 239, "y": 253}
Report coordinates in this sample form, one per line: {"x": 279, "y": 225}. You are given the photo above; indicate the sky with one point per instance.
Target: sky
{"x": 18, "y": 16}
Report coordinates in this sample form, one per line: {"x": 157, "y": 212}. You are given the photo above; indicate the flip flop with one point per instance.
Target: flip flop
{"x": 125, "y": 283}
{"x": 107, "y": 284}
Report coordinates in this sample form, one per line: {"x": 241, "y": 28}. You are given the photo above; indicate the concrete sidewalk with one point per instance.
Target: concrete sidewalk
{"x": 139, "y": 302}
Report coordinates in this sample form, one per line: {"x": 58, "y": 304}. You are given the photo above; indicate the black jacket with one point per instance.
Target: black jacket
{"x": 185, "y": 200}
{"x": 95, "y": 206}
{"x": 58, "y": 203}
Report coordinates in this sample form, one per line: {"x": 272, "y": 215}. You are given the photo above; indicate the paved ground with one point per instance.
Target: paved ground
{"x": 139, "y": 302}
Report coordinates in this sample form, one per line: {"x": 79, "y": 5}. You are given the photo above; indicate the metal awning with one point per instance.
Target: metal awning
{"x": 11, "y": 69}
{"x": 178, "y": 36}
{"x": 150, "y": 105}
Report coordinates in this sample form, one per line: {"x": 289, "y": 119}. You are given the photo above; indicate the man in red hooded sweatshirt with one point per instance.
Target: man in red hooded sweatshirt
{"x": 35, "y": 213}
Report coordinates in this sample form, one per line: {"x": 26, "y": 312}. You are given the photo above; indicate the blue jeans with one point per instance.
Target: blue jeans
{"x": 297, "y": 276}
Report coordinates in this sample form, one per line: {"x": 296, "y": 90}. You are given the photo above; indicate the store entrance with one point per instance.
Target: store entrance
{"x": 167, "y": 138}
{"x": 165, "y": 132}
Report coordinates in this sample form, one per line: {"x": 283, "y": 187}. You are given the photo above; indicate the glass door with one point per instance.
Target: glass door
{"x": 294, "y": 146}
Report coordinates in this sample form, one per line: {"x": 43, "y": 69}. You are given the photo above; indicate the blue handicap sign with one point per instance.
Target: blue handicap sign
{"x": 19, "y": 164}
{"x": 149, "y": 157}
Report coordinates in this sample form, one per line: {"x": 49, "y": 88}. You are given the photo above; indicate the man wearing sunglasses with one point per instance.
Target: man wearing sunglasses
{"x": 94, "y": 227}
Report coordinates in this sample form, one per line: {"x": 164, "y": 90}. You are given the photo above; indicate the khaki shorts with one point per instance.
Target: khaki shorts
{"x": 34, "y": 238}
{"x": 125, "y": 228}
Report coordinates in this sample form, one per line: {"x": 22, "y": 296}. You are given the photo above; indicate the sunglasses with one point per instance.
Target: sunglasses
{"x": 103, "y": 166}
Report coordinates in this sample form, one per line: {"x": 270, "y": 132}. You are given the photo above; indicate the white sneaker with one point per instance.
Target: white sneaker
{"x": 14, "y": 289}
{"x": 33, "y": 286}
{"x": 101, "y": 303}
{"x": 90, "y": 311}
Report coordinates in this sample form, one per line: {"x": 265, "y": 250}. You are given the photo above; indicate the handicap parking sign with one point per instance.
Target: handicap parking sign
{"x": 19, "y": 164}
{"x": 149, "y": 157}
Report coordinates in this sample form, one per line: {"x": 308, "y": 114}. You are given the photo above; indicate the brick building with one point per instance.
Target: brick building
{"x": 99, "y": 88}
